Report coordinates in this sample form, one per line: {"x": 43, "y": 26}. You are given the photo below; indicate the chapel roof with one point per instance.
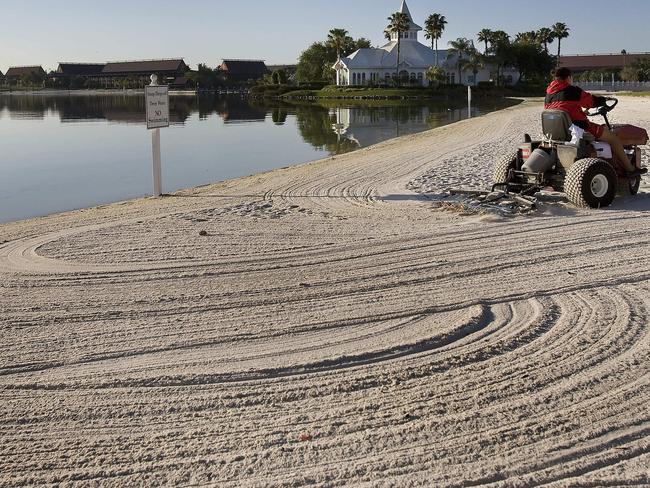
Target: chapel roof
{"x": 413, "y": 54}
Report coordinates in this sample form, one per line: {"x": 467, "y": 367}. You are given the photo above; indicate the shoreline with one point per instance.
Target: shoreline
{"x": 127, "y": 92}
{"x": 317, "y": 156}
{"x": 279, "y": 325}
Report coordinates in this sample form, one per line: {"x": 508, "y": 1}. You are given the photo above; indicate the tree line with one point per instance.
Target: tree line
{"x": 315, "y": 63}
{"x": 527, "y": 52}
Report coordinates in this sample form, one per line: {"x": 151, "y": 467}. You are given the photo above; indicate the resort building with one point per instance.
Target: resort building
{"x": 243, "y": 69}
{"x": 80, "y": 70}
{"x": 379, "y": 66}
{"x": 580, "y": 63}
{"x": 170, "y": 72}
{"x": 16, "y": 74}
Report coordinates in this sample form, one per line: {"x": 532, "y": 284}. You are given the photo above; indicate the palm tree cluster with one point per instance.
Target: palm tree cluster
{"x": 523, "y": 52}
{"x": 315, "y": 62}
{"x": 542, "y": 37}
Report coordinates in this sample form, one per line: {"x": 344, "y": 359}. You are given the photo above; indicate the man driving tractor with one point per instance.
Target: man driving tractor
{"x": 563, "y": 95}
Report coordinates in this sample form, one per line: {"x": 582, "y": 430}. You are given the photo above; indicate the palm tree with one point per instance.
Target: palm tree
{"x": 475, "y": 63}
{"x": 436, "y": 75}
{"x": 500, "y": 37}
{"x": 459, "y": 48}
{"x": 434, "y": 26}
{"x": 560, "y": 31}
{"x": 398, "y": 23}
{"x": 337, "y": 39}
{"x": 500, "y": 46}
{"x": 529, "y": 37}
{"x": 485, "y": 36}
{"x": 545, "y": 36}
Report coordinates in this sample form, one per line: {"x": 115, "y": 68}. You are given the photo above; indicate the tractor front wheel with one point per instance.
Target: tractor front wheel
{"x": 591, "y": 183}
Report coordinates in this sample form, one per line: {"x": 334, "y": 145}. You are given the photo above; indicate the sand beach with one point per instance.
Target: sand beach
{"x": 327, "y": 325}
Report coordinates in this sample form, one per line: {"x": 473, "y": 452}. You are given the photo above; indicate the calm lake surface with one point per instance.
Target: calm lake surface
{"x": 66, "y": 152}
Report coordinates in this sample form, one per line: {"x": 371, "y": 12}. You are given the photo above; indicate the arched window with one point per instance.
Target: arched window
{"x": 420, "y": 78}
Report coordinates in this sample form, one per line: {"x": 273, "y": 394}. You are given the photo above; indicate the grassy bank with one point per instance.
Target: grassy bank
{"x": 345, "y": 93}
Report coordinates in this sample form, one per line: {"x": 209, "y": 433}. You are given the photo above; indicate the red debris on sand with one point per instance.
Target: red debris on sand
{"x": 305, "y": 438}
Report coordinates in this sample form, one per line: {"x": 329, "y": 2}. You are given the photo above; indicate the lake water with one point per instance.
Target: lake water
{"x": 66, "y": 152}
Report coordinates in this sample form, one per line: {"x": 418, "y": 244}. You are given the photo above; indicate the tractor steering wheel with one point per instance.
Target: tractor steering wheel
{"x": 604, "y": 110}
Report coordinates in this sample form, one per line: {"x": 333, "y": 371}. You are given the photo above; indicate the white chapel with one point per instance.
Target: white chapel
{"x": 378, "y": 66}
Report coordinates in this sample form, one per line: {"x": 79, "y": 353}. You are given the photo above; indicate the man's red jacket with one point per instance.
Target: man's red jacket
{"x": 560, "y": 95}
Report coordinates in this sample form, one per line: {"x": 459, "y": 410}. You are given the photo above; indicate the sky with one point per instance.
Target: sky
{"x": 43, "y": 32}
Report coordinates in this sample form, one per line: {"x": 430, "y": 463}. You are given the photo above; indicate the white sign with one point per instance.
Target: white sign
{"x": 157, "y": 102}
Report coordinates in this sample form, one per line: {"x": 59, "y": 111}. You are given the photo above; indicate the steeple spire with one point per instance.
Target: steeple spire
{"x": 405, "y": 10}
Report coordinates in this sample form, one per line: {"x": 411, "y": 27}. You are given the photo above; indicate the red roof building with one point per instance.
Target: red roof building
{"x": 589, "y": 62}
{"x": 17, "y": 72}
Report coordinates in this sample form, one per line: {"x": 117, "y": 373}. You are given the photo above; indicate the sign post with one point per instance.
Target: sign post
{"x": 157, "y": 103}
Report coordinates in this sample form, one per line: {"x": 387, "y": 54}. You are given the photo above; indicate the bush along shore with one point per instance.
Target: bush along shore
{"x": 369, "y": 93}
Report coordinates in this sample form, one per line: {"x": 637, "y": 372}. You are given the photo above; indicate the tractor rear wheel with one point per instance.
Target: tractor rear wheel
{"x": 502, "y": 168}
{"x": 591, "y": 183}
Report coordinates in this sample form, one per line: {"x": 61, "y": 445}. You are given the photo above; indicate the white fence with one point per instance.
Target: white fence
{"x": 615, "y": 86}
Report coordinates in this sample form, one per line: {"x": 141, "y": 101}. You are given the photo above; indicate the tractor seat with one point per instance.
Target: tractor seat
{"x": 556, "y": 124}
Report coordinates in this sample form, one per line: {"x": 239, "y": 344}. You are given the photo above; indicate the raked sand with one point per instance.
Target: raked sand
{"x": 332, "y": 328}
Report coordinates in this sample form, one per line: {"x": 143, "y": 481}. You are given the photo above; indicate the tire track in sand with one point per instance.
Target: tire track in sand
{"x": 412, "y": 347}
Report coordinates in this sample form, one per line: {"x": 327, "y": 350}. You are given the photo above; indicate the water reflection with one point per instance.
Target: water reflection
{"x": 94, "y": 149}
{"x": 334, "y": 129}
{"x": 365, "y": 127}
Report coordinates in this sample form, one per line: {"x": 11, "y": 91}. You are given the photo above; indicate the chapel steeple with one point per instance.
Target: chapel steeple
{"x": 412, "y": 33}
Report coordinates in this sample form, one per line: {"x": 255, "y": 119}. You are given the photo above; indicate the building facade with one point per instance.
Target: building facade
{"x": 137, "y": 73}
{"x": 240, "y": 70}
{"x": 168, "y": 70}
{"x": 17, "y": 74}
{"x": 580, "y": 63}
{"x": 378, "y": 66}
